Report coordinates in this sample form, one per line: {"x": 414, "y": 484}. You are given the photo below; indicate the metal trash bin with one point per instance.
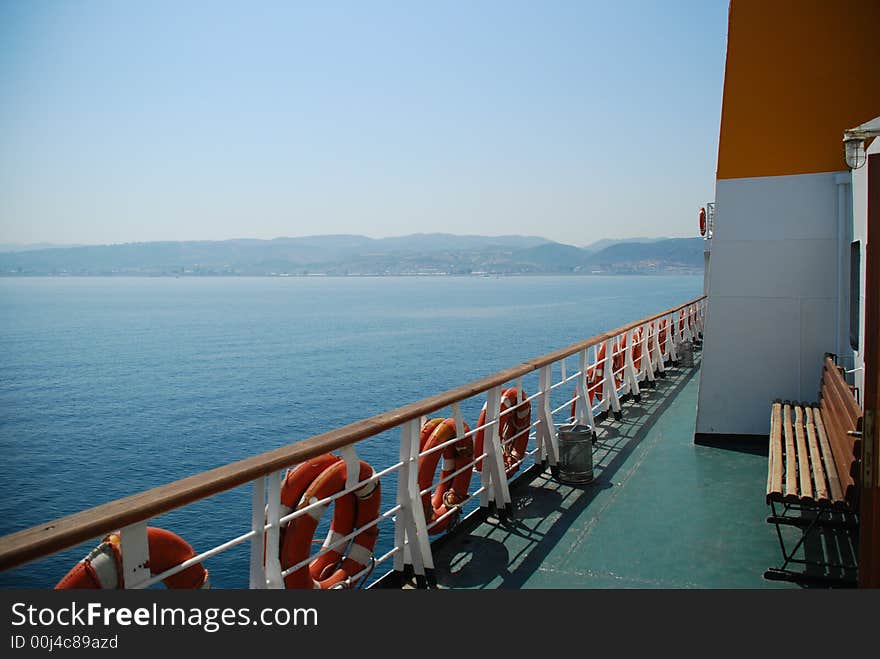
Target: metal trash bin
{"x": 575, "y": 443}
{"x": 686, "y": 354}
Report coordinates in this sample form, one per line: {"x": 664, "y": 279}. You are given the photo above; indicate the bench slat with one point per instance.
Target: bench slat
{"x": 832, "y": 395}
{"x": 791, "y": 493}
{"x": 774, "y": 470}
{"x": 803, "y": 458}
{"x": 816, "y": 458}
{"x": 840, "y": 400}
{"x": 843, "y": 390}
{"x": 841, "y": 447}
{"x": 828, "y": 457}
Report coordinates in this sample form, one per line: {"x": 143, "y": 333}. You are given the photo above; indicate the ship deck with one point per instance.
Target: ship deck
{"x": 662, "y": 512}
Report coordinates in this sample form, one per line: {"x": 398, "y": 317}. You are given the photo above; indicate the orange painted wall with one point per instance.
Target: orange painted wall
{"x": 798, "y": 73}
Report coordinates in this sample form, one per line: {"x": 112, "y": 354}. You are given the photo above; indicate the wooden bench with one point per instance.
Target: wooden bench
{"x": 813, "y": 473}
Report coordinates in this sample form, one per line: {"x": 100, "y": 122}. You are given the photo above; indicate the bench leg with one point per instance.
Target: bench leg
{"x": 777, "y": 574}
{"x": 808, "y": 526}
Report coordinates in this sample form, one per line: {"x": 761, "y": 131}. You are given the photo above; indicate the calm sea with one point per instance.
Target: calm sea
{"x": 109, "y": 386}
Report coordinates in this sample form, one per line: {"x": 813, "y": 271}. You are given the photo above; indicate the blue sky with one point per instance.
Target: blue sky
{"x": 125, "y": 121}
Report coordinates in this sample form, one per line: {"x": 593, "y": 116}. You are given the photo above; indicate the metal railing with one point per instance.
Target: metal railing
{"x": 633, "y": 355}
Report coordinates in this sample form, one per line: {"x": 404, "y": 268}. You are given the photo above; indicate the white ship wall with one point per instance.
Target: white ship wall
{"x": 773, "y": 298}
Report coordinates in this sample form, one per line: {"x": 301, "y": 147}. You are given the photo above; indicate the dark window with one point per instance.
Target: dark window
{"x": 855, "y": 268}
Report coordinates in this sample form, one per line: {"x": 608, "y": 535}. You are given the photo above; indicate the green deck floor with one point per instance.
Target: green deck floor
{"x": 662, "y": 512}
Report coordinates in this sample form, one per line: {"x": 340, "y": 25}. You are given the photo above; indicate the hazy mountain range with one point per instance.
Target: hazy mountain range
{"x": 359, "y": 255}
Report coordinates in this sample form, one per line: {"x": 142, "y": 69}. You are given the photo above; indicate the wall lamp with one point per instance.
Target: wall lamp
{"x": 854, "y": 142}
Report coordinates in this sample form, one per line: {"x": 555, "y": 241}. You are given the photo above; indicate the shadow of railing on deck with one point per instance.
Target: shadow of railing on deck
{"x": 471, "y": 561}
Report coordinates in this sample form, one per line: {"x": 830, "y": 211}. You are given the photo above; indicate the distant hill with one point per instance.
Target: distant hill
{"x": 30, "y": 247}
{"x": 447, "y": 241}
{"x": 358, "y": 255}
{"x": 552, "y": 257}
{"x": 680, "y": 251}
{"x": 608, "y": 242}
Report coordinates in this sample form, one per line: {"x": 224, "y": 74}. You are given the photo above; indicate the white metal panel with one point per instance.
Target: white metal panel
{"x": 772, "y": 311}
{"x": 817, "y": 326}
{"x": 776, "y": 208}
{"x": 748, "y": 360}
{"x": 775, "y": 268}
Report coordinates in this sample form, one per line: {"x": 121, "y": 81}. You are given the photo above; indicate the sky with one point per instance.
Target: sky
{"x": 142, "y": 121}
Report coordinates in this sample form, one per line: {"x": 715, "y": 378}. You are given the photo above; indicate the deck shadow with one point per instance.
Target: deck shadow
{"x": 472, "y": 558}
{"x": 830, "y": 552}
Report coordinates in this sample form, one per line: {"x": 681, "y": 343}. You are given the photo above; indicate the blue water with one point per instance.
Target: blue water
{"x": 109, "y": 386}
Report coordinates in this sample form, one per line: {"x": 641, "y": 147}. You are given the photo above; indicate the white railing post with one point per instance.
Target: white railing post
{"x": 404, "y": 556}
{"x": 691, "y": 325}
{"x": 258, "y": 542}
{"x": 274, "y": 579}
{"x": 411, "y": 530}
{"x": 604, "y": 404}
{"x": 459, "y": 420}
{"x": 686, "y": 334}
{"x": 583, "y": 409}
{"x": 629, "y": 367}
{"x": 610, "y": 398}
{"x": 485, "y": 481}
{"x": 135, "y": 554}
{"x": 646, "y": 368}
{"x": 672, "y": 339}
{"x": 678, "y": 319}
{"x": 546, "y": 431}
{"x": 657, "y": 361}
{"x": 352, "y": 465}
{"x": 494, "y": 452}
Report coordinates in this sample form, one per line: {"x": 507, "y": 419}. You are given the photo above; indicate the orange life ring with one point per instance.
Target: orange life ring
{"x": 297, "y": 481}
{"x": 637, "y": 348}
{"x": 596, "y": 372}
{"x": 426, "y": 431}
{"x": 515, "y": 423}
{"x": 456, "y": 457}
{"x": 702, "y": 221}
{"x": 353, "y": 510}
{"x": 102, "y": 568}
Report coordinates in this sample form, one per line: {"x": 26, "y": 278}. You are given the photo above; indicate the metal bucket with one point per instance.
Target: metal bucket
{"x": 575, "y": 443}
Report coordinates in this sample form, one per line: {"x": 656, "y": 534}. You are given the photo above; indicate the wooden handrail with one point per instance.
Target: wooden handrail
{"x": 44, "y": 539}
